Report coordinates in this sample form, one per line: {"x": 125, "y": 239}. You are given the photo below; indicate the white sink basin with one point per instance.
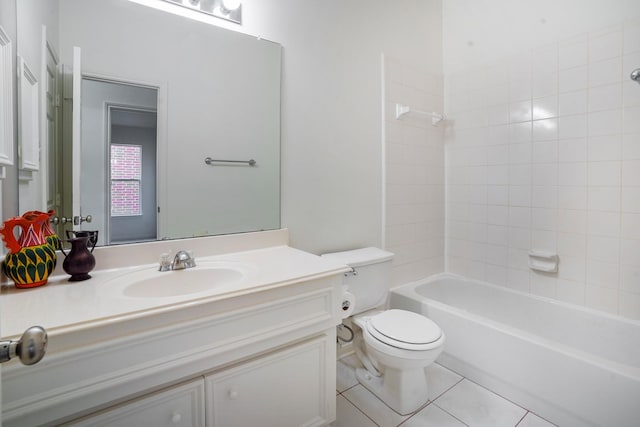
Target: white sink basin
{"x": 150, "y": 283}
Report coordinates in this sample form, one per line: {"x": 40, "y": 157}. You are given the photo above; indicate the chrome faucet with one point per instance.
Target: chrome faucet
{"x": 182, "y": 259}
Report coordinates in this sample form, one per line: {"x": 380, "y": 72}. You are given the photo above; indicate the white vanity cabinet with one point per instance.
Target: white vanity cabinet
{"x": 265, "y": 357}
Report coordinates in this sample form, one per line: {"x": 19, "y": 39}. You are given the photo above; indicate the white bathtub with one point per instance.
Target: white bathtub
{"x": 570, "y": 365}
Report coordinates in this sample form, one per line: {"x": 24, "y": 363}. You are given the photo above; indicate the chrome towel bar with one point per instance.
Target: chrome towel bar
{"x": 211, "y": 161}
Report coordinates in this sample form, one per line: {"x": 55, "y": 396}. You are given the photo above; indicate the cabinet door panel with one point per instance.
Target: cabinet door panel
{"x": 282, "y": 389}
{"x": 178, "y": 406}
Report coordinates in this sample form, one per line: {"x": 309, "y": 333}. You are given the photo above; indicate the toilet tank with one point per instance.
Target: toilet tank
{"x": 372, "y": 279}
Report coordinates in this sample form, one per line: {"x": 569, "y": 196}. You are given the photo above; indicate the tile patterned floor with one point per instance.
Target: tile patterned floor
{"x": 454, "y": 401}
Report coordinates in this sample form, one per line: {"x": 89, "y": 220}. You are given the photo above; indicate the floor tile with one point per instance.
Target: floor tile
{"x": 478, "y": 407}
{"x": 532, "y": 420}
{"x": 348, "y": 415}
{"x": 346, "y": 375}
{"x": 376, "y": 409}
{"x": 432, "y": 416}
{"x": 440, "y": 379}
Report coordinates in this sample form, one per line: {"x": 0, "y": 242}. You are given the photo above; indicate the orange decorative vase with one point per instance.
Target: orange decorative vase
{"x": 47, "y": 231}
{"x": 31, "y": 259}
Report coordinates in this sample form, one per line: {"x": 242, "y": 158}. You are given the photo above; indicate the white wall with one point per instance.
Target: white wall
{"x": 544, "y": 150}
{"x": 331, "y": 107}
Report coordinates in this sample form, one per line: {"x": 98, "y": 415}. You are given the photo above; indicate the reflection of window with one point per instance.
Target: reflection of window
{"x": 126, "y": 176}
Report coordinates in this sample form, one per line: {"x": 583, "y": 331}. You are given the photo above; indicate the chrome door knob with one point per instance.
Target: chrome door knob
{"x": 77, "y": 220}
{"x": 30, "y": 348}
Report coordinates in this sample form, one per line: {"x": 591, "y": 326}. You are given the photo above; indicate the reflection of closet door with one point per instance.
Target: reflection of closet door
{"x": 51, "y": 150}
{"x": 76, "y": 135}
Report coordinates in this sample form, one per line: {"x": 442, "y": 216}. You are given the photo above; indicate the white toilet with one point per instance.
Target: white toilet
{"x": 399, "y": 344}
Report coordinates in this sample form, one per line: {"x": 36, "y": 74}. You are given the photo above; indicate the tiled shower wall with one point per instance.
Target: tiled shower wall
{"x": 544, "y": 154}
{"x": 414, "y": 163}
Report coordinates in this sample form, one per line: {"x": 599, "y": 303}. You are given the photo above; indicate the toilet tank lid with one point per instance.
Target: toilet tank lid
{"x": 359, "y": 257}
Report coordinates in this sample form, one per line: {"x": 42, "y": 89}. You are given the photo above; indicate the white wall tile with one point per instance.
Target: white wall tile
{"x": 544, "y": 219}
{"x": 604, "y": 224}
{"x": 604, "y": 249}
{"x": 570, "y": 103}
{"x": 545, "y": 151}
{"x": 603, "y": 274}
{"x": 631, "y": 37}
{"x": 498, "y": 114}
{"x": 605, "y": 72}
{"x": 545, "y": 108}
{"x": 572, "y": 220}
{"x": 572, "y": 197}
{"x": 520, "y": 153}
{"x": 631, "y": 172}
{"x": 604, "y": 199}
{"x": 519, "y": 195}
{"x": 520, "y": 174}
{"x": 521, "y": 132}
{"x": 605, "y": 46}
{"x": 520, "y": 111}
{"x": 545, "y": 130}
{"x": 630, "y": 200}
{"x": 630, "y": 225}
{"x": 607, "y": 97}
{"x": 520, "y": 88}
{"x": 572, "y": 150}
{"x": 544, "y": 196}
{"x": 572, "y": 126}
{"x": 630, "y": 92}
{"x": 630, "y": 278}
{"x": 572, "y": 244}
{"x": 604, "y": 299}
{"x": 572, "y": 268}
{"x": 608, "y": 147}
{"x": 572, "y": 54}
{"x": 545, "y": 83}
{"x": 630, "y": 251}
{"x": 572, "y": 173}
{"x": 573, "y": 79}
{"x": 545, "y": 174}
{"x": 605, "y": 123}
{"x": 604, "y": 173}
{"x": 498, "y": 135}
{"x": 519, "y": 216}
{"x": 632, "y": 120}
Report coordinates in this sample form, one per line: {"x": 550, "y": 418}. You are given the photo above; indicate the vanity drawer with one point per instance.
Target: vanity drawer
{"x": 182, "y": 405}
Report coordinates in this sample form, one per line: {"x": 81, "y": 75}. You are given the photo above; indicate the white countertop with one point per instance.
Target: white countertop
{"x": 62, "y": 306}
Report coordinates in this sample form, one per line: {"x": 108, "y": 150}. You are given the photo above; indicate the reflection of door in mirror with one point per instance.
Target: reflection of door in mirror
{"x": 118, "y": 160}
{"x": 132, "y": 171}
{"x": 51, "y": 156}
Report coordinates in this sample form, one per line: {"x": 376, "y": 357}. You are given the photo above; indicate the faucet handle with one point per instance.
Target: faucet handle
{"x": 192, "y": 259}
{"x": 165, "y": 264}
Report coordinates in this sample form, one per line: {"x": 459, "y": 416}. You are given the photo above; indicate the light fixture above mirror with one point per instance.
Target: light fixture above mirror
{"x": 231, "y": 10}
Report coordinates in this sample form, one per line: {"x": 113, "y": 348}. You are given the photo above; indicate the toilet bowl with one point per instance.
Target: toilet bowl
{"x": 395, "y": 346}
{"x": 399, "y": 345}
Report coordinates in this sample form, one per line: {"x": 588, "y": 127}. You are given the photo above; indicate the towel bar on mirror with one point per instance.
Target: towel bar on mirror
{"x": 211, "y": 161}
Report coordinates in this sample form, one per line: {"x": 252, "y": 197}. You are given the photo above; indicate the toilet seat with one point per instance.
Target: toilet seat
{"x": 404, "y": 330}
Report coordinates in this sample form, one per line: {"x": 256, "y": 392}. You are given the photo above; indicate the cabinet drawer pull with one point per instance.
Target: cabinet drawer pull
{"x": 176, "y": 417}
{"x": 233, "y": 394}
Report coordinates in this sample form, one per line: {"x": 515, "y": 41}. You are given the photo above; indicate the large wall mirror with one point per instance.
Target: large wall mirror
{"x": 132, "y": 100}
